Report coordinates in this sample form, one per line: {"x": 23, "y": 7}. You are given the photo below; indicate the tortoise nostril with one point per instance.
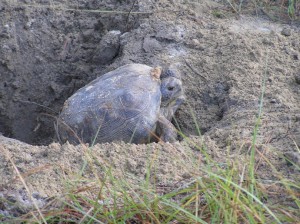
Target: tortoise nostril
{"x": 170, "y": 88}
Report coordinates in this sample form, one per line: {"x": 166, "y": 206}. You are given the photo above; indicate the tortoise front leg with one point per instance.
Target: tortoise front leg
{"x": 166, "y": 130}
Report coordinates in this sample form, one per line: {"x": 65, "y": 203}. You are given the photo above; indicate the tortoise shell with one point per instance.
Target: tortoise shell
{"x": 123, "y": 105}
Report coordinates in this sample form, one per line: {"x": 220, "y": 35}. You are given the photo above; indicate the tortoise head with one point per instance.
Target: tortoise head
{"x": 171, "y": 86}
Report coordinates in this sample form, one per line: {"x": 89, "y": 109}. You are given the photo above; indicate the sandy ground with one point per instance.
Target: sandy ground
{"x": 48, "y": 53}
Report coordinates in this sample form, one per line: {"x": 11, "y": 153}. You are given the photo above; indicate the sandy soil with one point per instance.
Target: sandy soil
{"x": 48, "y": 53}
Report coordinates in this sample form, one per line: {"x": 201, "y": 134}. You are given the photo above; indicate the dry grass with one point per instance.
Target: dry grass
{"x": 279, "y": 10}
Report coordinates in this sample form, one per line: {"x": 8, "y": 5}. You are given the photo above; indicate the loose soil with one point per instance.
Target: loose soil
{"x": 48, "y": 51}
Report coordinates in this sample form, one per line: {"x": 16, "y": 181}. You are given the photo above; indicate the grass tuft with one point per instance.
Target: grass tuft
{"x": 213, "y": 194}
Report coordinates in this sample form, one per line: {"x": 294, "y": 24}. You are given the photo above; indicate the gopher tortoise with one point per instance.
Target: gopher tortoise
{"x": 134, "y": 103}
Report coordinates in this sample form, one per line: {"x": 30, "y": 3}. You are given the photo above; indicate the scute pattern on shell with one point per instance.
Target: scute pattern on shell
{"x": 123, "y": 104}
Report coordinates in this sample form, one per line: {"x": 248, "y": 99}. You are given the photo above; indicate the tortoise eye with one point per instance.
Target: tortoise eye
{"x": 170, "y": 88}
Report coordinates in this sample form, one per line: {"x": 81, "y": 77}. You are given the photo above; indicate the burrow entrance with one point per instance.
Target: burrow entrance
{"x": 47, "y": 53}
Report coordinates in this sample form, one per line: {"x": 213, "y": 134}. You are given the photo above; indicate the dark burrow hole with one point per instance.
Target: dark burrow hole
{"x": 31, "y": 116}
{"x": 32, "y": 120}
{"x": 49, "y": 60}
